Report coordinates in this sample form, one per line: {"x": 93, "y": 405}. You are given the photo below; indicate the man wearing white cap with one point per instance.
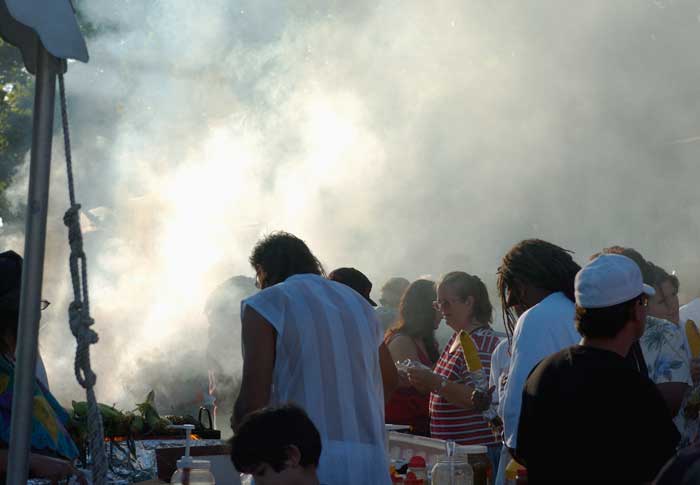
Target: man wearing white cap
{"x": 588, "y": 415}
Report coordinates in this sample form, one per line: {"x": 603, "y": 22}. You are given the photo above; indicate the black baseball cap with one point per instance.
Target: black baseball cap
{"x": 355, "y": 279}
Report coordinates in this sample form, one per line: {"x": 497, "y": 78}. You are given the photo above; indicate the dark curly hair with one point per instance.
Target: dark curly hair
{"x": 540, "y": 264}
{"x": 266, "y": 435}
{"x": 468, "y": 285}
{"x": 282, "y": 255}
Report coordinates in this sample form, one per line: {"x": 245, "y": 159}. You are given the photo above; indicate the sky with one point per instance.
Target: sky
{"x": 399, "y": 137}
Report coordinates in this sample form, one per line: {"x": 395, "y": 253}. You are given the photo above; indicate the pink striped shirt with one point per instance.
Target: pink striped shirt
{"x": 450, "y": 422}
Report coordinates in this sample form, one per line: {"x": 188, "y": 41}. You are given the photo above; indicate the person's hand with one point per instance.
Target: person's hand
{"x": 482, "y": 400}
{"x": 424, "y": 380}
{"x": 695, "y": 370}
{"x": 54, "y": 469}
{"x": 403, "y": 379}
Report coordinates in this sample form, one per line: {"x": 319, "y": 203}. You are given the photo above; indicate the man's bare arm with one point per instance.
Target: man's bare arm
{"x": 258, "y": 338}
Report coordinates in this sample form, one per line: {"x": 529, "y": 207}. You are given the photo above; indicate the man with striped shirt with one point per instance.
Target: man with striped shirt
{"x": 318, "y": 344}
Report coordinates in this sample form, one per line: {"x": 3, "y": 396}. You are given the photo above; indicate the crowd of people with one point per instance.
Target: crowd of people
{"x": 594, "y": 378}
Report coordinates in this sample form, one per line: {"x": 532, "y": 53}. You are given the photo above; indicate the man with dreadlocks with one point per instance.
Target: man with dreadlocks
{"x": 536, "y": 287}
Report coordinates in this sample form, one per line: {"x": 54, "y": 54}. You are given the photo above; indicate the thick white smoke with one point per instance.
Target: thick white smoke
{"x": 399, "y": 137}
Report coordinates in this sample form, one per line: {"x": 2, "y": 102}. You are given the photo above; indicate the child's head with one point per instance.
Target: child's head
{"x": 277, "y": 445}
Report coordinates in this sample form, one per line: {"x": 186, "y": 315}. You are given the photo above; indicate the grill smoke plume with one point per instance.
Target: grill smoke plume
{"x": 399, "y": 137}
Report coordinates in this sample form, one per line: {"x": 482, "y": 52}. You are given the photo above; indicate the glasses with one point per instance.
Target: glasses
{"x": 445, "y": 304}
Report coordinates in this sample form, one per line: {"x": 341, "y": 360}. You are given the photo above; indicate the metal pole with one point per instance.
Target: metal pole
{"x": 32, "y": 269}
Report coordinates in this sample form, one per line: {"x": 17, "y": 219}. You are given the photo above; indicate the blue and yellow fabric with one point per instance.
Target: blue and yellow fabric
{"x": 49, "y": 419}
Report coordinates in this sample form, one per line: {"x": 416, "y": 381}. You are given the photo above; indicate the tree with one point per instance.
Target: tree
{"x": 15, "y": 117}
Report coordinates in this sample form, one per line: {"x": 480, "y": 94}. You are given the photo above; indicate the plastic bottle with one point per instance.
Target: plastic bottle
{"x": 418, "y": 466}
{"x": 189, "y": 471}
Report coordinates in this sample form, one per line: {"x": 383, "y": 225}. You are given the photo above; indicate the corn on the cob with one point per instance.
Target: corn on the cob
{"x": 512, "y": 470}
{"x": 478, "y": 375}
{"x": 693, "y": 335}
{"x": 471, "y": 354}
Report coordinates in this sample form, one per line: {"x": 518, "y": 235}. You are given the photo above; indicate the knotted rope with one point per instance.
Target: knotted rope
{"x": 79, "y": 309}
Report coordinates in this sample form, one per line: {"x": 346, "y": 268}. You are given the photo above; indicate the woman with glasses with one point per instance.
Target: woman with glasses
{"x": 413, "y": 337}
{"x": 464, "y": 303}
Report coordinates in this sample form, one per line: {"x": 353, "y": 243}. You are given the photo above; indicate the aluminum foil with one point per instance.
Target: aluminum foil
{"x": 125, "y": 468}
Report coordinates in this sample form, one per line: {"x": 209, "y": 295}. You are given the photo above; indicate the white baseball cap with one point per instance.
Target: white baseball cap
{"x": 608, "y": 280}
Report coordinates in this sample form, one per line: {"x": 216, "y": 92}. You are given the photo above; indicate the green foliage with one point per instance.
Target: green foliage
{"x": 15, "y": 116}
{"x": 16, "y": 100}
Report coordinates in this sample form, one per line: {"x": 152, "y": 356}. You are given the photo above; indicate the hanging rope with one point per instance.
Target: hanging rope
{"x": 79, "y": 309}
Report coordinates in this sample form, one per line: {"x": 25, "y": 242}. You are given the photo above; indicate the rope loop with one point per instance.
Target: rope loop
{"x": 79, "y": 309}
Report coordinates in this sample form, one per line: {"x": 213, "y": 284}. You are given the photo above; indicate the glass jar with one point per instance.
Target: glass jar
{"x": 478, "y": 458}
{"x": 198, "y": 474}
{"x": 459, "y": 472}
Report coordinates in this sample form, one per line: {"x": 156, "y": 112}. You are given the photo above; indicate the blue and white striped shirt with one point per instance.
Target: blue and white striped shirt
{"x": 327, "y": 361}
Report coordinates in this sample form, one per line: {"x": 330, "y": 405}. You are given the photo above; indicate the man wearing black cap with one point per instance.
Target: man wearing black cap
{"x": 356, "y": 280}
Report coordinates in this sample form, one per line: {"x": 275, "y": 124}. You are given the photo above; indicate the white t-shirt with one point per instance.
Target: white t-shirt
{"x": 691, "y": 310}
{"x": 327, "y": 362}
{"x": 500, "y": 361}
{"x": 544, "y": 329}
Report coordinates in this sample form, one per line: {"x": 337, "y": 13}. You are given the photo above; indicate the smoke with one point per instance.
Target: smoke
{"x": 399, "y": 137}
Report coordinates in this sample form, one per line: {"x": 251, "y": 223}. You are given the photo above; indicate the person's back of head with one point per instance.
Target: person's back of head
{"x": 537, "y": 264}
{"x": 280, "y": 255}
{"x": 226, "y": 298}
{"x": 392, "y": 291}
{"x": 355, "y": 279}
{"x": 417, "y": 317}
{"x": 634, "y": 255}
{"x": 665, "y": 303}
{"x": 278, "y": 445}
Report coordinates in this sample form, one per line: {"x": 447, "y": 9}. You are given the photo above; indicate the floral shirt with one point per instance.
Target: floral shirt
{"x": 665, "y": 352}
